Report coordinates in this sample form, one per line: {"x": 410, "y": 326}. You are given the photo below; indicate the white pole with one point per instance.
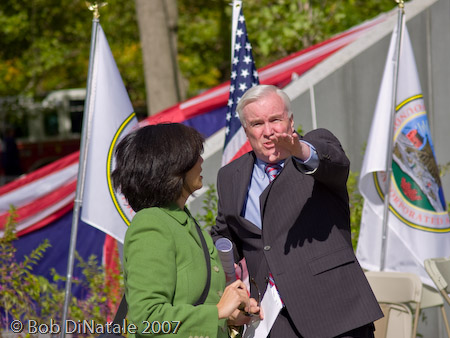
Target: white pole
{"x": 81, "y": 168}
{"x": 312, "y": 98}
{"x": 388, "y": 170}
{"x": 430, "y": 105}
{"x": 237, "y": 4}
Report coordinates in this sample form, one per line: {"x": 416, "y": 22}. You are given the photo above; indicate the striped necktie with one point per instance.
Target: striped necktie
{"x": 272, "y": 170}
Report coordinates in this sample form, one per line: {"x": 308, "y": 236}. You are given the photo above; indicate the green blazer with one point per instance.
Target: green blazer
{"x": 165, "y": 273}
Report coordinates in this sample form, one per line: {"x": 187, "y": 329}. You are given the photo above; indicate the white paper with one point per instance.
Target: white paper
{"x": 271, "y": 305}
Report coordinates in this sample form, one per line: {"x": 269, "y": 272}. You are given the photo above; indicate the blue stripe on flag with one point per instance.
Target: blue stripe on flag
{"x": 89, "y": 242}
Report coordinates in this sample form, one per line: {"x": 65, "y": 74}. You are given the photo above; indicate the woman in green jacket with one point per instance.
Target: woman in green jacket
{"x": 157, "y": 168}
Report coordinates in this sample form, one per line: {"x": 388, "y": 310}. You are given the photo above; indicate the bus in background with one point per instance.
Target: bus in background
{"x": 34, "y": 134}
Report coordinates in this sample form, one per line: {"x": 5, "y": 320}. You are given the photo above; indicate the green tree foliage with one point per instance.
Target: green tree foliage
{"x": 42, "y": 47}
{"x": 356, "y": 202}
{"x": 283, "y": 27}
{"x": 276, "y": 28}
{"x": 204, "y": 42}
{"x": 208, "y": 218}
{"x": 45, "y": 43}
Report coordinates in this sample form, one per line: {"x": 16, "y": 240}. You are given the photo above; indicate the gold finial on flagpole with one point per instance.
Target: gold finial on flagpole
{"x": 401, "y": 3}
{"x": 94, "y": 6}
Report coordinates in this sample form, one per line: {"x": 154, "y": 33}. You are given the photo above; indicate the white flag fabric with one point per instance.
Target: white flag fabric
{"x": 112, "y": 118}
{"x": 418, "y": 222}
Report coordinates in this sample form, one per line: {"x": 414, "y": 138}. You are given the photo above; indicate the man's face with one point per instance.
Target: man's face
{"x": 264, "y": 118}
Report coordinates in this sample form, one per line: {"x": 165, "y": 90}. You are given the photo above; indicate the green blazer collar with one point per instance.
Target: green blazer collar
{"x": 174, "y": 211}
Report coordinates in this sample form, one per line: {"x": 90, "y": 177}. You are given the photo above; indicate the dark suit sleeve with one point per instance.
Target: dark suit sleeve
{"x": 334, "y": 165}
{"x": 221, "y": 228}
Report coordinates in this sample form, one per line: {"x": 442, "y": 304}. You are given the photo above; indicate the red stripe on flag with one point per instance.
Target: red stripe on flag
{"x": 47, "y": 220}
{"x": 40, "y": 204}
{"x": 111, "y": 262}
{"x": 205, "y": 102}
{"x": 244, "y": 149}
{"x": 42, "y": 172}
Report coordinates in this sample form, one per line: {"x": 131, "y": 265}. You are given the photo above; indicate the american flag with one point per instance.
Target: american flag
{"x": 243, "y": 77}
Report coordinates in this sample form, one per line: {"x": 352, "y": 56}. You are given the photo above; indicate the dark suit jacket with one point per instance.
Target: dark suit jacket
{"x": 305, "y": 240}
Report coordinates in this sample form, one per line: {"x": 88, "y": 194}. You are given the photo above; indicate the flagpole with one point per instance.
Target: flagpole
{"x": 388, "y": 170}
{"x": 94, "y": 7}
{"x": 312, "y": 98}
{"x": 234, "y": 23}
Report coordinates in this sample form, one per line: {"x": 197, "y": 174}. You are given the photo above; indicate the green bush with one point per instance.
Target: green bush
{"x": 27, "y": 296}
{"x": 356, "y": 205}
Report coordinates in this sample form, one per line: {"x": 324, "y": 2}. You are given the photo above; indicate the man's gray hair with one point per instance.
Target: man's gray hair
{"x": 258, "y": 92}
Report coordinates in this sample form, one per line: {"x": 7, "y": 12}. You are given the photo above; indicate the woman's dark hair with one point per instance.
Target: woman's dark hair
{"x": 152, "y": 162}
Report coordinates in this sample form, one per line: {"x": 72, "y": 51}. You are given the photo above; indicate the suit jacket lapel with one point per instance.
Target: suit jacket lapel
{"x": 241, "y": 180}
{"x": 300, "y": 186}
{"x": 280, "y": 179}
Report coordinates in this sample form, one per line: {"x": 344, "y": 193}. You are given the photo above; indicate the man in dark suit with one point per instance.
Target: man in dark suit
{"x": 285, "y": 207}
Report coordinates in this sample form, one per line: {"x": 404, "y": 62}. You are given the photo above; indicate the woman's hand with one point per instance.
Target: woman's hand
{"x": 234, "y": 296}
{"x": 239, "y": 317}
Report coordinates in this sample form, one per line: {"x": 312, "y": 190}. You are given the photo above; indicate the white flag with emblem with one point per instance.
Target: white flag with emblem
{"x": 112, "y": 118}
{"x": 418, "y": 222}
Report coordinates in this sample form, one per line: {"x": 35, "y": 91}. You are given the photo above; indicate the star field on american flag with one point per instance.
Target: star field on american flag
{"x": 243, "y": 76}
